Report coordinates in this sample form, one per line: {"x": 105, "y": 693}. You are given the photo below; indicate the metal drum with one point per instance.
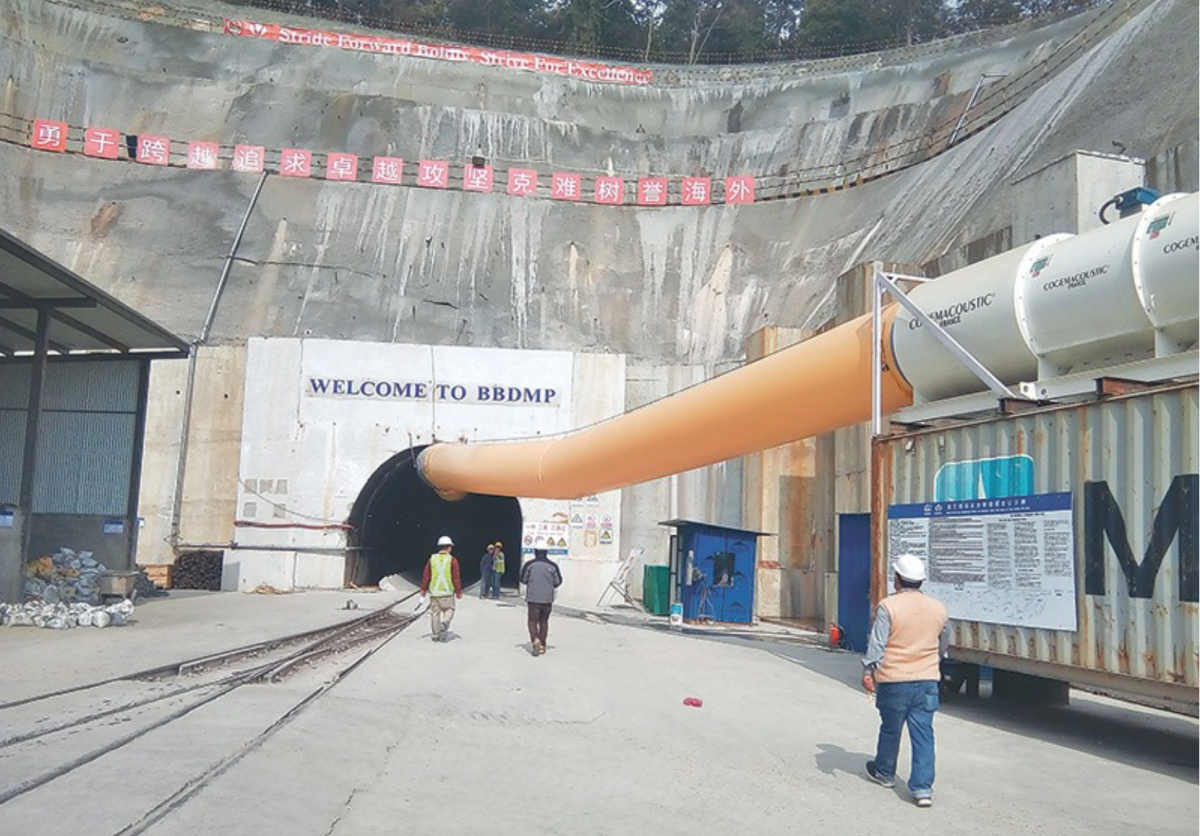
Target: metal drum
{"x": 977, "y": 306}
{"x": 1166, "y": 259}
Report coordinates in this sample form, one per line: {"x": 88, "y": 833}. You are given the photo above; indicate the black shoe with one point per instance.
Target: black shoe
{"x": 879, "y": 778}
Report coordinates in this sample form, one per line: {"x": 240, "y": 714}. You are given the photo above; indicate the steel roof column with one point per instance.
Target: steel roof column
{"x": 33, "y": 415}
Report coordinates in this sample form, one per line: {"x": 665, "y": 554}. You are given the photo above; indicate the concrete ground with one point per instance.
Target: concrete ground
{"x": 477, "y": 736}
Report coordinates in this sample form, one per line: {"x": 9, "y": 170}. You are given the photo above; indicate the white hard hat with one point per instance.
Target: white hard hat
{"x": 910, "y": 567}
{"x": 444, "y": 541}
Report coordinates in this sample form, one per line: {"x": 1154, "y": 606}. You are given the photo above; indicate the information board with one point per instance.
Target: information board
{"x": 1000, "y": 561}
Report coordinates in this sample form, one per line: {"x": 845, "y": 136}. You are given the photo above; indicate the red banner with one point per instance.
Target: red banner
{"x": 564, "y": 186}
{"x": 478, "y": 178}
{"x": 49, "y": 135}
{"x": 101, "y": 142}
{"x": 586, "y": 70}
{"x": 652, "y": 191}
{"x": 341, "y": 166}
{"x": 610, "y": 190}
{"x": 295, "y": 162}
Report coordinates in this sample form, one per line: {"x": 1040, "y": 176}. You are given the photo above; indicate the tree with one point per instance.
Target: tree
{"x": 840, "y": 23}
{"x": 588, "y": 25}
{"x": 913, "y": 21}
{"x": 979, "y": 14}
{"x": 699, "y": 27}
{"x": 516, "y": 18}
{"x": 782, "y": 18}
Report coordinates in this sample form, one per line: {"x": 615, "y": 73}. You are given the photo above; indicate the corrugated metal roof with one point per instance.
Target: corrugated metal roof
{"x": 84, "y": 319}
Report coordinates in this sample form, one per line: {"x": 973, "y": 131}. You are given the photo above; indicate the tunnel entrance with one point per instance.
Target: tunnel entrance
{"x": 398, "y": 519}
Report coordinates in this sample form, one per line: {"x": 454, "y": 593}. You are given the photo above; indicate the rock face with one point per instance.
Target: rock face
{"x": 679, "y": 284}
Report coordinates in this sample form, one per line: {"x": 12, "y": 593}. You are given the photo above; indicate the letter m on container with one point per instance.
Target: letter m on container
{"x": 1175, "y": 519}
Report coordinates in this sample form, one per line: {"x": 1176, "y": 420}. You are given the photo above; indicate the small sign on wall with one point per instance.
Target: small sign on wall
{"x": 114, "y": 526}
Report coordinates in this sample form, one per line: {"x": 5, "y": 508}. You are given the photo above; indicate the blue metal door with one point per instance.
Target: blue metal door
{"x": 737, "y": 588}
{"x": 717, "y": 575}
{"x": 854, "y": 578}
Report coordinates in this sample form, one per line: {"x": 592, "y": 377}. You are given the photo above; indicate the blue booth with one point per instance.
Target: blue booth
{"x": 712, "y": 569}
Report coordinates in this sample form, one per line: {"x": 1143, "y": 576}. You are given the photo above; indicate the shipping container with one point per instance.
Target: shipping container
{"x": 1063, "y": 538}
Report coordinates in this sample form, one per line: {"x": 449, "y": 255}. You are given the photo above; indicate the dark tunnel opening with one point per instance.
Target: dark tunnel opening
{"x": 398, "y": 519}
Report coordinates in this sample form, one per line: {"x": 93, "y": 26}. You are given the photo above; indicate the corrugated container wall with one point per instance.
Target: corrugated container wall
{"x": 1131, "y": 465}
{"x": 86, "y": 443}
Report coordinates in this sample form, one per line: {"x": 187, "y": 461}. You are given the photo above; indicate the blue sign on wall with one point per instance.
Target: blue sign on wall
{"x": 984, "y": 479}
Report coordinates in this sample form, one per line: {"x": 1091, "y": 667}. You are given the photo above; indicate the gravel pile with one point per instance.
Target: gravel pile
{"x": 64, "y": 616}
{"x": 67, "y": 577}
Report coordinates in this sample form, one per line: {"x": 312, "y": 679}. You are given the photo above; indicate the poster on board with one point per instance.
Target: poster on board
{"x": 998, "y": 561}
{"x": 551, "y": 536}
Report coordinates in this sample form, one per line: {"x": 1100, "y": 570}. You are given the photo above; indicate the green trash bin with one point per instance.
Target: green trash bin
{"x": 656, "y": 589}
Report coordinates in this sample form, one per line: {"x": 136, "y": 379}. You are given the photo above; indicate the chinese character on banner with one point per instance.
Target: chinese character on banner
{"x": 49, "y": 136}
{"x": 248, "y": 158}
{"x": 101, "y": 142}
{"x": 341, "y": 166}
{"x": 652, "y": 191}
{"x": 202, "y": 155}
{"x": 522, "y": 182}
{"x": 739, "y": 189}
{"x": 478, "y": 178}
{"x": 295, "y": 162}
{"x": 153, "y": 150}
{"x": 565, "y": 186}
{"x": 610, "y": 190}
{"x": 387, "y": 170}
{"x": 696, "y": 191}
{"x": 433, "y": 174}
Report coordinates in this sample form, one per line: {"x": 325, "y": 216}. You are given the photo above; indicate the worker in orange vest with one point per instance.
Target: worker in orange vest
{"x": 902, "y": 669}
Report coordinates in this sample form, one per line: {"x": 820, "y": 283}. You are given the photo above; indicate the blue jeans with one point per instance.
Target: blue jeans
{"x": 485, "y": 581}
{"x": 496, "y": 578}
{"x": 913, "y": 703}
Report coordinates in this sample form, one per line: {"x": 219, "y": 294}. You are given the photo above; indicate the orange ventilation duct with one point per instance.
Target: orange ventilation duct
{"x": 810, "y": 388}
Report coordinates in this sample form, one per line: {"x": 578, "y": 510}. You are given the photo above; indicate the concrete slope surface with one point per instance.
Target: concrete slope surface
{"x": 673, "y": 284}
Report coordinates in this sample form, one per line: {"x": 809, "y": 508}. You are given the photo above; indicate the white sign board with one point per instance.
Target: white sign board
{"x": 998, "y": 561}
{"x": 551, "y": 536}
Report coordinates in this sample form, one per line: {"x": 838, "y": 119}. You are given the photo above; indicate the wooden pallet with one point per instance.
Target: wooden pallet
{"x": 159, "y": 574}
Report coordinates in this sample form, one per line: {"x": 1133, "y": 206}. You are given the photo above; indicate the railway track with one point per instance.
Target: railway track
{"x": 165, "y": 696}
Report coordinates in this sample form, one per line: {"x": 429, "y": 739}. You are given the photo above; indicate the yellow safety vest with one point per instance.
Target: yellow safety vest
{"x": 441, "y": 582}
{"x": 498, "y": 563}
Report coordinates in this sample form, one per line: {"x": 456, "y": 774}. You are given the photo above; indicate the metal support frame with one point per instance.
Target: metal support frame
{"x": 193, "y": 356}
{"x": 33, "y": 419}
{"x": 971, "y": 103}
{"x": 887, "y": 282}
{"x": 26, "y": 304}
{"x": 33, "y": 410}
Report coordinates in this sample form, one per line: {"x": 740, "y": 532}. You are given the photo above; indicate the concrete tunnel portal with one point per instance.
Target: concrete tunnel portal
{"x": 398, "y": 518}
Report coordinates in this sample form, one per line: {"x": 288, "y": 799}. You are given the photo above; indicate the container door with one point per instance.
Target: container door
{"x": 737, "y": 587}
{"x": 854, "y": 578}
{"x": 704, "y": 559}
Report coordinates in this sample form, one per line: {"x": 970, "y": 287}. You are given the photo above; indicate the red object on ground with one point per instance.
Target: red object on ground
{"x": 694, "y": 702}
{"x": 835, "y": 635}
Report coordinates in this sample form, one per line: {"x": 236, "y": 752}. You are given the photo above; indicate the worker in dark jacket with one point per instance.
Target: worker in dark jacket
{"x": 540, "y": 577}
{"x": 486, "y": 566}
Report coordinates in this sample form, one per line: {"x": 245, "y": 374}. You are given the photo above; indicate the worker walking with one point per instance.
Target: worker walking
{"x": 442, "y": 582}
{"x": 541, "y": 577}
{"x": 902, "y": 668}
{"x": 486, "y": 567}
{"x": 497, "y": 569}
